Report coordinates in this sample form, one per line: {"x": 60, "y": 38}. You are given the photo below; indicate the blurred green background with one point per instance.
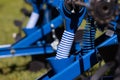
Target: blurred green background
{"x": 13, "y": 68}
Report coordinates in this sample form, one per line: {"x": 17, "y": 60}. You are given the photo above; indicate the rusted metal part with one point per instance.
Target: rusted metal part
{"x": 103, "y": 11}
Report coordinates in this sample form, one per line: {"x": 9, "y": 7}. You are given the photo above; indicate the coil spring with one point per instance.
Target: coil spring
{"x": 88, "y": 36}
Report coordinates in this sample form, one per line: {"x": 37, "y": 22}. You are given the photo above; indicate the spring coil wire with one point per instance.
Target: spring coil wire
{"x": 88, "y": 36}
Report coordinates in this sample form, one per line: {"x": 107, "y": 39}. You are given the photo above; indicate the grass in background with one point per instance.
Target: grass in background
{"x": 9, "y": 11}
{"x": 15, "y": 69}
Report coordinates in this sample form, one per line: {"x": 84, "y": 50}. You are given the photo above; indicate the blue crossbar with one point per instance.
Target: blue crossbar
{"x": 81, "y": 65}
{"x": 46, "y": 29}
{"x": 10, "y": 52}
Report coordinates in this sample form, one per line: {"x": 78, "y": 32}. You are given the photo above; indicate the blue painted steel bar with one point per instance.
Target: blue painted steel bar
{"x": 110, "y": 41}
{"x": 77, "y": 68}
{"x": 87, "y": 61}
{"x": 80, "y": 65}
{"x": 8, "y": 52}
{"x": 46, "y": 29}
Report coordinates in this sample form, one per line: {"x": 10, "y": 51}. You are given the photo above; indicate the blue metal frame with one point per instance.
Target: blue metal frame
{"x": 77, "y": 63}
{"x": 9, "y": 52}
{"x": 46, "y": 29}
{"x": 23, "y": 47}
{"x": 81, "y": 65}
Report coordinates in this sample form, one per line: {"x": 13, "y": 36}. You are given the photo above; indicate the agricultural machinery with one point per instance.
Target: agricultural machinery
{"x": 71, "y": 57}
{"x": 99, "y": 14}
